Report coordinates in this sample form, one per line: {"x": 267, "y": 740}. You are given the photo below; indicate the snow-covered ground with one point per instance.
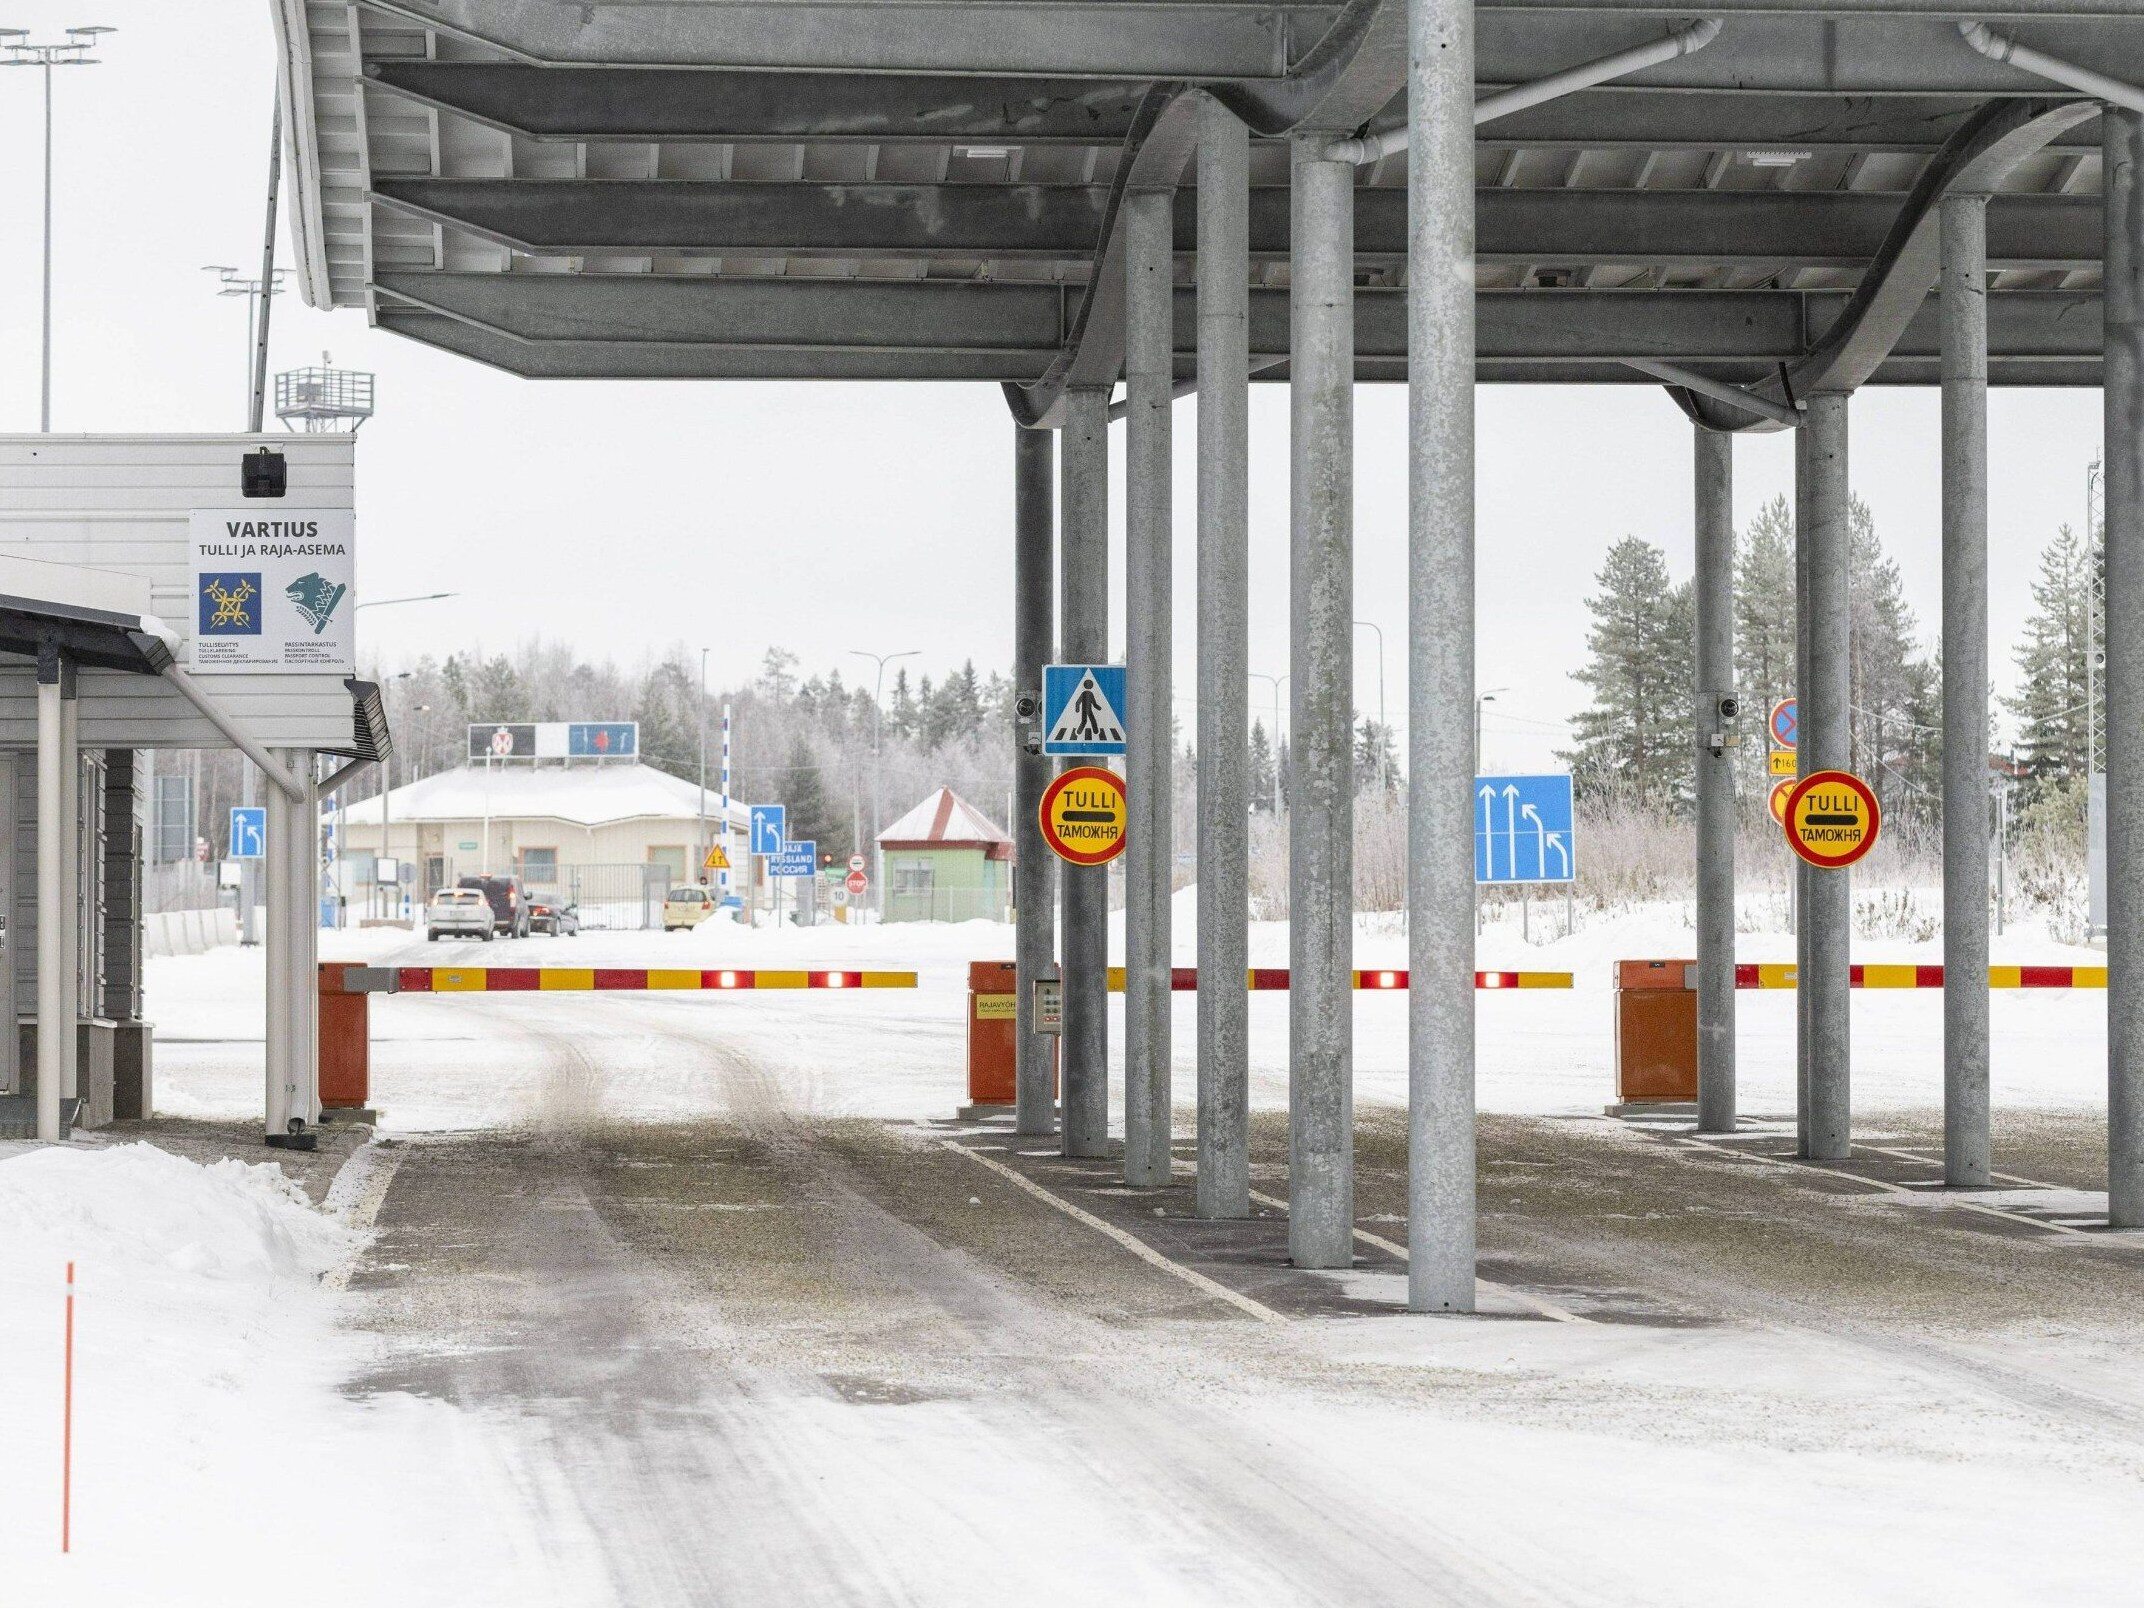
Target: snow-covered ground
{"x": 234, "y": 1444}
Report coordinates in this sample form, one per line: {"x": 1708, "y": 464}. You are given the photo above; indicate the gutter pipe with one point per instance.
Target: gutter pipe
{"x": 2054, "y": 69}
{"x": 1682, "y": 42}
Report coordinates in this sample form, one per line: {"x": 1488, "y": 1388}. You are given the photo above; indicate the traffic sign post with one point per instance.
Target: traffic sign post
{"x": 249, "y": 831}
{"x": 856, "y": 883}
{"x": 1781, "y": 792}
{"x": 1832, "y": 819}
{"x": 768, "y": 824}
{"x": 1082, "y": 709}
{"x": 1524, "y": 829}
{"x": 1084, "y": 815}
{"x": 1785, "y": 723}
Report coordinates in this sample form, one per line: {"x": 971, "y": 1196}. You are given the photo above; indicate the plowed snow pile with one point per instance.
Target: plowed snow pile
{"x": 216, "y": 1460}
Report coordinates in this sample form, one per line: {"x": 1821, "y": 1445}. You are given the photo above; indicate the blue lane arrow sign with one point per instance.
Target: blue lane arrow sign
{"x": 249, "y": 832}
{"x": 1524, "y": 830}
{"x": 768, "y": 823}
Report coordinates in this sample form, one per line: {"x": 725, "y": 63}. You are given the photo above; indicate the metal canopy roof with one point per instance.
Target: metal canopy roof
{"x": 927, "y": 189}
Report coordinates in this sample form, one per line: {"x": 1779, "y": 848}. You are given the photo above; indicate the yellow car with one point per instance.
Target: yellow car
{"x": 686, "y": 907}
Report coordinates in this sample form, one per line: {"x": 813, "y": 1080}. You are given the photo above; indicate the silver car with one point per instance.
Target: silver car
{"x": 459, "y": 913}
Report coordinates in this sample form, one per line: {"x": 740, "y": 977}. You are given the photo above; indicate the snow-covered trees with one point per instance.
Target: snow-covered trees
{"x": 1636, "y": 737}
{"x": 2050, "y": 706}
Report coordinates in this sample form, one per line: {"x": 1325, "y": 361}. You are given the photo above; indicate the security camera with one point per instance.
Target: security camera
{"x": 1730, "y": 706}
{"x": 1026, "y": 705}
{"x": 1032, "y": 743}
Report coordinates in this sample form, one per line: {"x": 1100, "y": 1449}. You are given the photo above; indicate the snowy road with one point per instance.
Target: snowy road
{"x": 769, "y": 1357}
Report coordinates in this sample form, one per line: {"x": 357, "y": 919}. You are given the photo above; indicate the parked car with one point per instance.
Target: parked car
{"x": 550, "y": 913}
{"x": 686, "y": 907}
{"x": 509, "y": 903}
{"x": 459, "y": 913}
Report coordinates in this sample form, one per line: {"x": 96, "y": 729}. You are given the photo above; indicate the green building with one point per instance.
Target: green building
{"x": 945, "y": 861}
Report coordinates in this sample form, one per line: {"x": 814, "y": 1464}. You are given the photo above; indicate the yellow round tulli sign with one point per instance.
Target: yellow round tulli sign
{"x": 1832, "y": 818}
{"x": 1084, "y": 815}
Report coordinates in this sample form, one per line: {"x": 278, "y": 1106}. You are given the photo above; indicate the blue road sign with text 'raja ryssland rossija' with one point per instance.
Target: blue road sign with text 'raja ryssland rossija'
{"x": 1083, "y": 709}
{"x": 1524, "y": 830}
{"x": 800, "y": 859}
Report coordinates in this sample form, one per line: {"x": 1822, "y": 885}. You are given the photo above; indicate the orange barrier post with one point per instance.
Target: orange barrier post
{"x": 993, "y": 1035}
{"x": 345, "y": 1042}
{"x": 1655, "y": 1032}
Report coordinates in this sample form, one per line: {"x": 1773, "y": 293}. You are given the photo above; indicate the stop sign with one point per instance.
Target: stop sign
{"x": 856, "y": 882}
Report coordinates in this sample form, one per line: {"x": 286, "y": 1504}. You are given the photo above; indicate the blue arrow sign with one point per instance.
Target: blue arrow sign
{"x": 1083, "y": 709}
{"x": 249, "y": 832}
{"x": 768, "y": 823}
{"x": 1524, "y": 830}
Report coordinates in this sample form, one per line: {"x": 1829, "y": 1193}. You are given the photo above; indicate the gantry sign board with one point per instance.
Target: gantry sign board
{"x": 1832, "y": 819}
{"x": 272, "y": 589}
{"x": 1524, "y": 829}
{"x": 554, "y": 739}
{"x": 1083, "y": 709}
{"x": 129, "y": 508}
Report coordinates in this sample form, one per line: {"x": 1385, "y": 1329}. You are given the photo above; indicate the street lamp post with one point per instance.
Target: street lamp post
{"x": 878, "y": 757}
{"x": 702, "y": 711}
{"x": 231, "y": 282}
{"x": 1384, "y": 732}
{"x": 1488, "y": 697}
{"x": 73, "y": 53}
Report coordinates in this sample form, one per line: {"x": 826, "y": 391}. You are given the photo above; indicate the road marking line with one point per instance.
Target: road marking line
{"x": 1540, "y": 1304}
{"x": 1131, "y": 1242}
{"x": 2001, "y": 1213}
{"x": 356, "y": 1195}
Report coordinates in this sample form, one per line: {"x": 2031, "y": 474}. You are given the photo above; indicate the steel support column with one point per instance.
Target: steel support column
{"x": 305, "y": 897}
{"x": 2123, "y": 132}
{"x": 53, "y": 888}
{"x": 1035, "y": 939}
{"x": 1083, "y": 586}
{"x": 70, "y": 909}
{"x": 276, "y": 945}
{"x": 1715, "y": 663}
{"x": 1321, "y": 1097}
{"x": 1963, "y": 303}
{"x": 1799, "y": 873}
{"x": 1826, "y": 745}
{"x": 1224, "y": 272}
{"x": 1440, "y": 656}
{"x": 1150, "y": 850}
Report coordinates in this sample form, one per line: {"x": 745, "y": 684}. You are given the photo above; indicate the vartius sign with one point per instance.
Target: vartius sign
{"x": 271, "y": 590}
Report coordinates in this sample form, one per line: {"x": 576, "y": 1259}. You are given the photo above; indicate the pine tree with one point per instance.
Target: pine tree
{"x": 1891, "y": 686}
{"x": 810, "y": 818}
{"x": 1764, "y": 634}
{"x": 1637, "y": 734}
{"x": 2053, "y": 685}
{"x": 901, "y": 706}
{"x": 1377, "y": 762}
{"x": 1261, "y": 768}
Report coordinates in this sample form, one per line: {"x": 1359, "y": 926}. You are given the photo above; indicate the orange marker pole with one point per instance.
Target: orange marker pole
{"x": 67, "y": 1427}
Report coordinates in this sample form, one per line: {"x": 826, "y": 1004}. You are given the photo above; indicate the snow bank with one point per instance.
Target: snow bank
{"x": 214, "y": 1447}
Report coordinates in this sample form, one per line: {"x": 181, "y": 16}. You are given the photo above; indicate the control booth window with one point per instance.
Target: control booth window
{"x": 912, "y": 876}
{"x": 539, "y": 865}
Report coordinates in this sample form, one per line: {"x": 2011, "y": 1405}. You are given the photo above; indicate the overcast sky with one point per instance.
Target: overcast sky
{"x": 627, "y": 517}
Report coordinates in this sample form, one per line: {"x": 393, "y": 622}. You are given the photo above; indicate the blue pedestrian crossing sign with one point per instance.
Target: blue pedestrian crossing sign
{"x": 1083, "y": 709}
{"x": 1523, "y": 829}
{"x": 768, "y": 823}
{"x": 249, "y": 832}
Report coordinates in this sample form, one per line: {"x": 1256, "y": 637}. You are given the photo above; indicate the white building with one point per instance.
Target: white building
{"x": 595, "y": 833}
